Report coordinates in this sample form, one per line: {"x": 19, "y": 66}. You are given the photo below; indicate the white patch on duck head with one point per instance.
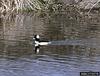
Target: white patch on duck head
{"x": 37, "y": 36}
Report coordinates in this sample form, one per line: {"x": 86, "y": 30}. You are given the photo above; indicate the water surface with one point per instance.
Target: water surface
{"x": 74, "y": 49}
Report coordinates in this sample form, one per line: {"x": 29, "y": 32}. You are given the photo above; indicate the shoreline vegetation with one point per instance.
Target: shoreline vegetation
{"x": 42, "y": 5}
{"x": 28, "y": 5}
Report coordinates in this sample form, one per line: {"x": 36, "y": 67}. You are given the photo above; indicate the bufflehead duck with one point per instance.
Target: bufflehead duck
{"x": 39, "y": 43}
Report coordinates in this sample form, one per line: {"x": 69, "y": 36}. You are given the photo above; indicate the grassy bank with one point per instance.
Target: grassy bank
{"x": 27, "y": 5}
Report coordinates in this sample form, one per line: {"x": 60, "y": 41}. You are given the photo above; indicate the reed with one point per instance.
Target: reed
{"x": 20, "y": 5}
{"x": 94, "y": 6}
{"x": 11, "y": 5}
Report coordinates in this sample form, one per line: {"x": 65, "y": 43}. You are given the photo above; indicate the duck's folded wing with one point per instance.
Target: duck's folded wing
{"x": 45, "y": 43}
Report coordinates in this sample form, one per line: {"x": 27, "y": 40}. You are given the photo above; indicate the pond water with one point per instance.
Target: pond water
{"x": 75, "y": 44}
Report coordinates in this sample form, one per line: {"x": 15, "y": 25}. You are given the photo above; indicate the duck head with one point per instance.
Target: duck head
{"x": 36, "y": 37}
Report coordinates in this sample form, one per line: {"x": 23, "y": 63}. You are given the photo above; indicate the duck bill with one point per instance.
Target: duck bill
{"x": 33, "y": 38}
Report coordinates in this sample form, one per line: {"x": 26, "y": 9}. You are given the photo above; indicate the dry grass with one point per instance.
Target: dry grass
{"x": 26, "y": 5}
{"x": 11, "y": 5}
{"x": 93, "y": 6}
